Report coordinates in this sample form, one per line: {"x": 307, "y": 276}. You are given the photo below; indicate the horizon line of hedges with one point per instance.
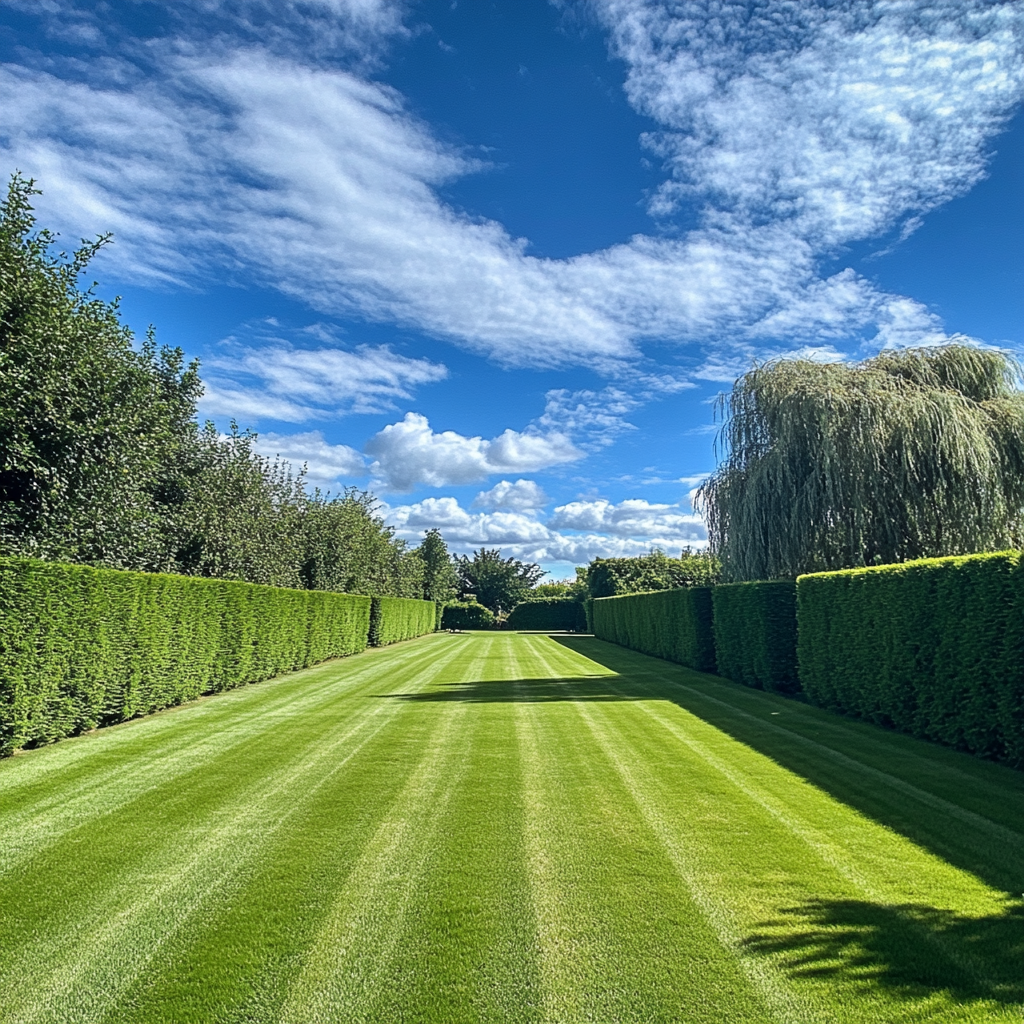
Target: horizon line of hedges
{"x": 555, "y": 614}
{"x": 82, "y": 647}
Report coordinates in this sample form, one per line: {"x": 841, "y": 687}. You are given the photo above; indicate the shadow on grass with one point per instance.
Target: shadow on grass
{"x": 968, "y": 812}
{"x": 856, "y": 947}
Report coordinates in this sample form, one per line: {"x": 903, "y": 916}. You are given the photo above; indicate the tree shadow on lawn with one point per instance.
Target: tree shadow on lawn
{"x": 967, "y": 811}
{"x": 910, "y": 952}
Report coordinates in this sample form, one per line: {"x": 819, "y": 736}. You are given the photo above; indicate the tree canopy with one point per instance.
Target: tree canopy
{"x": 102, "y": 461}
{"x": 498, "y": 583}
{"x": 910, "y": 454}
{"x": 606, "y": 577}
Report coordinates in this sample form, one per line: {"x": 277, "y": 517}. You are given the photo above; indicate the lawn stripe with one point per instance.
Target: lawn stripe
{"x": 111, "y": 946}
{"x": 26, "y": 830}
{"x": 652, "y": 958}
{"x": 785, "y": 1005}
{"x": 338, "y": 980}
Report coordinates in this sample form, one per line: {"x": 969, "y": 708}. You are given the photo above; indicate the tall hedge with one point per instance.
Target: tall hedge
{"x": 671, "y": 624}
{"x": 933, "y": 647}
{"x": 82, "y": 647}
{"x": 466, "y": 615}
{"x": 400, "y": 618}
{"x": 562, "y": 614}
{"x": 755, "y": 634}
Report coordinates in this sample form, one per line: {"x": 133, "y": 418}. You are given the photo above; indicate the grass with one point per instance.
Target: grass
{"x": 501, "y": 827}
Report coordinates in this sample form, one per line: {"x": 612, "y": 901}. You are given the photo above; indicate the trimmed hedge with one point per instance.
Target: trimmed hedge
{"x": 400, "y": 618}
{"x": 553, "y": 613}
{"x": 933, "y": 647}
{"x": 82, "y": 647}
{"x": 755, "y": 634}
{"x": 671, "y": 624}
{"x": 466, "y": 615}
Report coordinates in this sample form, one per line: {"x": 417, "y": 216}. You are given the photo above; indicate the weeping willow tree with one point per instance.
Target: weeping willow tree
{"x": 911, "y": 454}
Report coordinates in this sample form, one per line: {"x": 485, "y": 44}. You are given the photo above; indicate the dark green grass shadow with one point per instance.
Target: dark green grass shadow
{"x": 858, "y": 947}
{"x": 869, "y": 768}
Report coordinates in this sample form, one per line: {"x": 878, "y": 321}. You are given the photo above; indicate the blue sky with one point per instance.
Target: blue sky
{"x": 494, "y": 261}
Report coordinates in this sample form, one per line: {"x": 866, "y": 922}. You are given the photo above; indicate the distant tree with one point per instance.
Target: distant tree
{"x": 606, "y": 577}
{"x": 440, "y": 579}
{"x": 910, "y": 454}
{"x": 557, "y": 588}
{"x": 498, "y": 583}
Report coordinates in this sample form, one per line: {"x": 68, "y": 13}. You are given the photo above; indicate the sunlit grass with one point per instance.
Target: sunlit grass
{"x": 507, "y": 827}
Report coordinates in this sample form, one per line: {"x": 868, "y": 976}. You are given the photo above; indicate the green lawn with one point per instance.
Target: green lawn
{"x": 507, "y": 827}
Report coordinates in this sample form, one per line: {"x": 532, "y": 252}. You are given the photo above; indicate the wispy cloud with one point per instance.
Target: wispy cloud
{"x": 326, "y": 464}
{"x": 794, "y": 128}
{"x": 278, "y": 380}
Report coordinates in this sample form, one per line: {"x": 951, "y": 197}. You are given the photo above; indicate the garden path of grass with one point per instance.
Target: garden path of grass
{"x": 503, "y": 827}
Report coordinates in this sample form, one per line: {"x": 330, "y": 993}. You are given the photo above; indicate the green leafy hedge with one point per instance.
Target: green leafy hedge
{"x": 755, "y": 634}
{"x": 553, "y": 613}
{"x": 400, "y": 618}
{"x": 671, "y": 624}
{"x": 934, "y": 648}
{"x": 466, "y": 615}
{"x": 82, "y": 647}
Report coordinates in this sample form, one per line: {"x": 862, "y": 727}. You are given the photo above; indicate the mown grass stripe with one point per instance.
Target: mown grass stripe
{"x": 337, "y": 979}
{"x": 127, "y": 925}
{"x": 30, "y": 826}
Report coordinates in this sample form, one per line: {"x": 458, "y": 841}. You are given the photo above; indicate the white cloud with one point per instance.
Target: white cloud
{"x": 522, "y": 496}
{"x": 327, "y": 464}
{"x": 797, "y": 128}
{"x": 633, "y": 517}
{"x": 295, "y": 384}
{"x": 409, "y": 453}
{"x": 525, "y": 536}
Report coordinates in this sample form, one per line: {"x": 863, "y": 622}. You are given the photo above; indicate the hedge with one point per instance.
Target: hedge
{"x": 400, "y": 618}
{"x": 671, "y": 624}
{"x": 549, "y": 614}
{"x": 755, "y": 634}
{"x": 933, "y": 647}
{"x": 466, "y": 615}
{"x": 82, "y": 647}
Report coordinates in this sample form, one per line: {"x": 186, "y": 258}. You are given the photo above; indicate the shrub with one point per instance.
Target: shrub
{"x": 82, "y": 647}
{"x": 549, "y": 614}
{"x": 400, "y": 618}
{"x": 466, "y": 615}
{"x": 755, "y": 634}
{"x": 932, "y": 647}
{"x": 671, "y": 624}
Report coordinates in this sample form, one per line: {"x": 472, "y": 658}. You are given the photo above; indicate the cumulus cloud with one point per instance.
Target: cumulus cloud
{"x": 326, "y": 464}
{"x": 296, "y": 384}
{"x": 633, "y": 517}
{"x": 522, "y": 496}
{"x": 409, "y": 453}
{"x": 635, "y": 531}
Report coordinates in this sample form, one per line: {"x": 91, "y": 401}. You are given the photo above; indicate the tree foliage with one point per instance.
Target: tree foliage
{"x": 102, "y": 461}
{"x": 440, "y": 579}
{"x": 90, "y": 426}
{"x": 498, "y": 583}
{"x": 911, "y": 454}
{"x": 609, "y": 577}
